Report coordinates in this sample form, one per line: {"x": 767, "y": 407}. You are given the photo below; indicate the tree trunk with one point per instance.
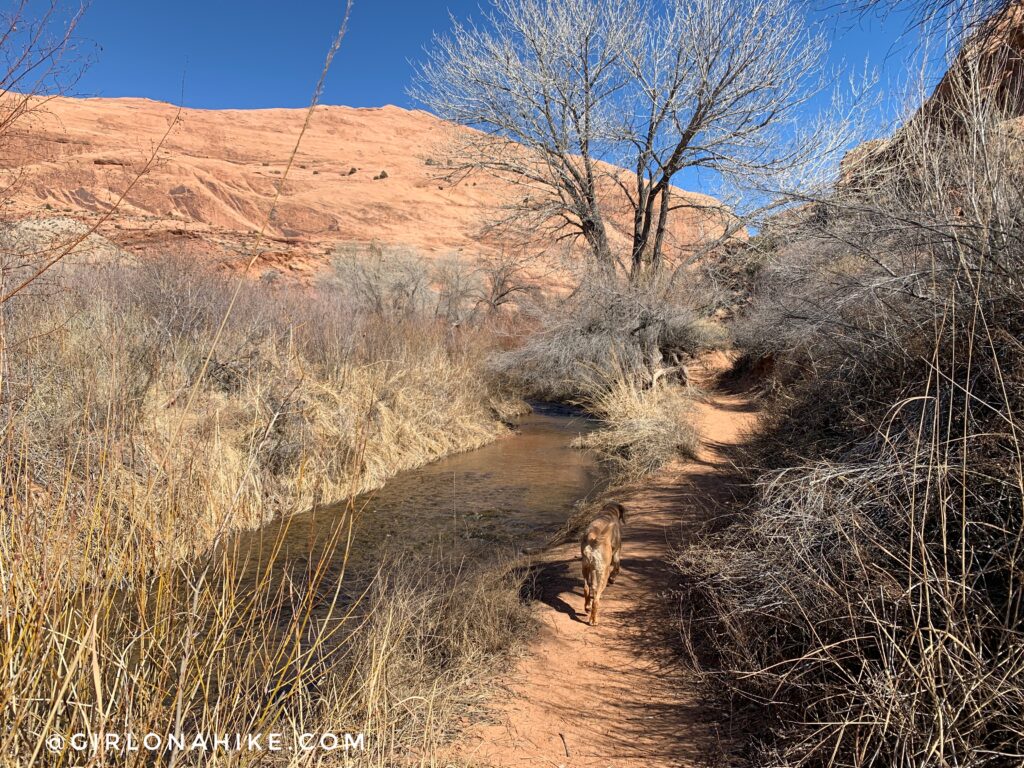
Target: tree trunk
{"x": 597, "y": 238}
{"x": 659, "y": 235}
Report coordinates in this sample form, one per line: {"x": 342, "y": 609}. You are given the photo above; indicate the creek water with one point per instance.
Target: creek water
{"x": 497, "y": 500}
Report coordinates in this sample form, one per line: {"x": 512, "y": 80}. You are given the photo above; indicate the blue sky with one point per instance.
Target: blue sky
{"x": 268, "y": 53}
{"x": 258, "y": 53}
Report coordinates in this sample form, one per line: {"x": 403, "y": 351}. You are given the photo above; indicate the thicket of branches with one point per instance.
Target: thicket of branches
{"x": 607, "y": 330}
{"x": 399, "y": 282}
{"x": 591, "y": 110}
{"x": 867, "y": 604}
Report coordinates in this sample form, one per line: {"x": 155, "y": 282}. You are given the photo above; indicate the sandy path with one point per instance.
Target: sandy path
{"x": 613, "y": 691}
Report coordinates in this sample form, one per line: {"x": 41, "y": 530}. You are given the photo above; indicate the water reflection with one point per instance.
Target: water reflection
{"x": 502, "y": 498}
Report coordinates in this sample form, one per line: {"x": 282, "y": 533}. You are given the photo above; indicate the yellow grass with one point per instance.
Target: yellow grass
{"x": 643, "y": 429}
{"x": 118, "y": 612}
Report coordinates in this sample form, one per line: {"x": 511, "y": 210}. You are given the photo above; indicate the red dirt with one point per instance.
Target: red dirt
{"x": 615, "y": 692}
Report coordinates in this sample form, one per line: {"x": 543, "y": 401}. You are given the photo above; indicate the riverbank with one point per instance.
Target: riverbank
{"x": 583, "y": 696}
{"x": 153, "y": 413}
{"x": 159, "y": 412}
{"x": 152, "y": 410}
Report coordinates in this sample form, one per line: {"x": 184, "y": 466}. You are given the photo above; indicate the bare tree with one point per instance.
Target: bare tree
{"x": 37, "y": 47}
{"x": 565, "y": 94}
{"x": 507, "y": 276}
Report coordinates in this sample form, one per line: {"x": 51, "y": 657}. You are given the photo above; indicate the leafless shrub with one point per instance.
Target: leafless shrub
{"x": 610, "y": 328}
{"x": 383, "y": 280}
{"x": 459, "y": 289}
{"x": 868, "y": 601}
{"x": 399, "y": 283}
{"x": 508, "y": 277}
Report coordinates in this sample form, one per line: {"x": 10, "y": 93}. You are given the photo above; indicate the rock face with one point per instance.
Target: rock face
{"x": 213, "y": 182}
{"x": 994, "y": 59}
{"x": 989, "y": 68}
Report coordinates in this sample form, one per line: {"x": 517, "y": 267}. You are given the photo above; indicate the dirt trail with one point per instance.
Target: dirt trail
{"x": 614, "y": 691}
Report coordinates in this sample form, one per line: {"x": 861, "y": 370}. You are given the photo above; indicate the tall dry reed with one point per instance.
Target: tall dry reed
{"x": 131, "y": 603}
{"x": 865, "y": 608}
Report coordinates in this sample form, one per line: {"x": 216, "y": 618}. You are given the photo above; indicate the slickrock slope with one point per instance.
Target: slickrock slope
{"x": 989, "y": 66}
{"x": 217, "y": 172}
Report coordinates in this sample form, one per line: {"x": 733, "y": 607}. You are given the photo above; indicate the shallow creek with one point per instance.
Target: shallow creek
{"x": 504, "y": 498}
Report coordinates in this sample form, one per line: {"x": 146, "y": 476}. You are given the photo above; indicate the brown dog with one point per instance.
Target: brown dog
{"x": 600, "y": 547}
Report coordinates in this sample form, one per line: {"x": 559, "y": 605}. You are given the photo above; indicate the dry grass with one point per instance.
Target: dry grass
{"x": 206, "y": 649}
{"x": 865, "y": 608}
{"x": 643, "y": 429}
{"x": 129, "y": 603}
{"x": 105, "y": 399}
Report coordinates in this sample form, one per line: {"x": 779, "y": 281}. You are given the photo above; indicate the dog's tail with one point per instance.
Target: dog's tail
{"x": 592, "y": 554}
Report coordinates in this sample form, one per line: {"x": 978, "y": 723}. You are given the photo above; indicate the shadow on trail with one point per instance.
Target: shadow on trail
{"x": 550, "y": 582}
{"x": 643, "y": 613}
